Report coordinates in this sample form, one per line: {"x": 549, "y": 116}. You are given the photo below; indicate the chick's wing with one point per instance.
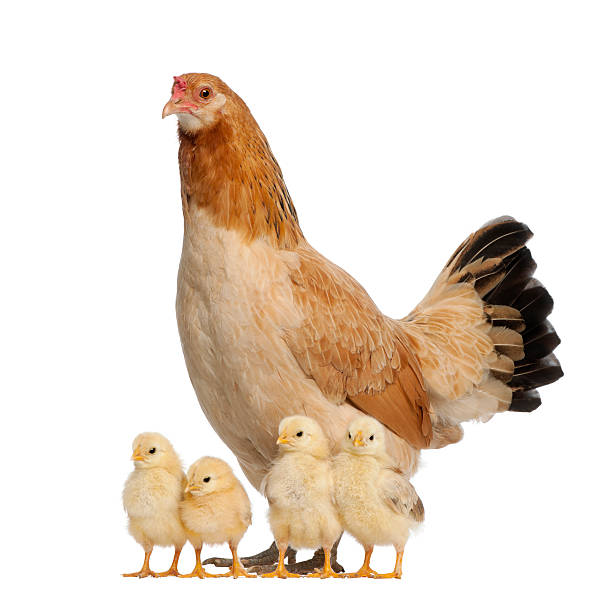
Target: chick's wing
{"x": 398, "y": 493}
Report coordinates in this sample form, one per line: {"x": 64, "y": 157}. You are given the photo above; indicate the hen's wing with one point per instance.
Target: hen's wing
{"x": 399, "y": 494}
{"x": 355, "y": 353}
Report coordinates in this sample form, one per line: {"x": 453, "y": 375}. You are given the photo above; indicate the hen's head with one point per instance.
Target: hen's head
{"x": 365, "y": 435}
{"x": 200, "y": 101}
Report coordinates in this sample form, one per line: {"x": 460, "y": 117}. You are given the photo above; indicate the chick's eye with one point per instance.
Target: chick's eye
{"x": 299, "y": 433}
{"x": 350, "y": 435}
{"x": 371, "y": 438}
{"x": 206, "y": 479}
{"x": 204, "y": 93}
{"x": 152, "y": 451}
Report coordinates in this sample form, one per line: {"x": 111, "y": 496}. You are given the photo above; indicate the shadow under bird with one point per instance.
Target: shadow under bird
{"x": 270, "y": 328}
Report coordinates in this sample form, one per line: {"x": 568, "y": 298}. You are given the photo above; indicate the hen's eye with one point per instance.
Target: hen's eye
{"x": 204, "y": 93}
{"x": 299, "y": 433}
{"x": 371, "y": 438}
{"x": 152, "y": 451}
{"x": 206, "y": 479}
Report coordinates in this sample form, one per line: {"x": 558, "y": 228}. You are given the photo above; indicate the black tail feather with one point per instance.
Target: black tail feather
{"x": 531, "y": 374}
{"x": 505, "y": 282}
{"x": 525, "y": 401}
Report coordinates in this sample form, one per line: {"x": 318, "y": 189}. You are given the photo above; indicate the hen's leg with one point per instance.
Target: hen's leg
{"x": 397, "y": 572}
{"x": 173, "y": 568}
{"x": 144, "y": 570}
{"x": 316, "y": 563}
{"x": 265, "y": 559}
{"x": 237, "y": 568}
{"x": 365, "y": 570}
{"x": 198, "y": 570}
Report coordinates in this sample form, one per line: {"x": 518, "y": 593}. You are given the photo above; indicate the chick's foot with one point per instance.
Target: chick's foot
{"x": 173, "y": 568}
{"x": 397, "y": 571}
{"x": 327, "y": 568}
{"x": 365, "y": 570}
{"x": 237, "y": 569}
{"x": 145, "y": 571}
{"x": 198, "y": 570}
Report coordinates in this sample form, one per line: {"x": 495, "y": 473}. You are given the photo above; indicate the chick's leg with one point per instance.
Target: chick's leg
{"x": 397, "y": 572}
{"x": 281, "y": 570}
{"x": 145, "y": 571}
{"x": 237, "y": 568}
{"x": 365, "y": 570}
{"x": 174, "y": 567}
{"x": 327, "y": 568}
{"x": 198, "y": 570}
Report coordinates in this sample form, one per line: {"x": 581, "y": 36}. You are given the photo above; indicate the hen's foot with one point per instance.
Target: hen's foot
{"x": 266, "y": 559}
{"x": 314, "y": 565}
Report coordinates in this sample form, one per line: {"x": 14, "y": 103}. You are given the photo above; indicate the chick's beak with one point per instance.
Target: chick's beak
{"x": 136, "y": 455}
{"x": 358, "y": 440}
{"x": 189, "y": 488}
{"x": 282, "y": 439}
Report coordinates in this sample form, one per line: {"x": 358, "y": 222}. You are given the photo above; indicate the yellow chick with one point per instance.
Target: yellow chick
{"x": 377, "y": 503}
{"x": 299, "y": 491}
{"x": 216, "y": 509}
{"x": 151, "y": 498}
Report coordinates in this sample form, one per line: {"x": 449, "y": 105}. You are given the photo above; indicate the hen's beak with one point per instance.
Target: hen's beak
{"x": 170, "y": 108}
{"x": 358, "y": 440}
{"x": 282, "y": 439}
{"x": 178, "y": 106}
{"x": 136, "y": 455}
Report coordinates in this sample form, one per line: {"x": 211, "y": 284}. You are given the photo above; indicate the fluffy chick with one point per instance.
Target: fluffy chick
{"x": 299, "y": 491}
{"x": 376, "y": 502}
{"x": 151, "y": 498}
{"x": 216, "y": 509}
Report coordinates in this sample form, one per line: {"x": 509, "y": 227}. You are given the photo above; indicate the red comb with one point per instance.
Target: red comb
{"x": 181, "y": 83}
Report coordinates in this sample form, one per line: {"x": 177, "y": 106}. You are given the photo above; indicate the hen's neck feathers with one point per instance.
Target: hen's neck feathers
{"x": 231, "y": 172}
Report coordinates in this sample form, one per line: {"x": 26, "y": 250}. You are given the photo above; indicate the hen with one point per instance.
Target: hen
{"x": 270, "y": 328}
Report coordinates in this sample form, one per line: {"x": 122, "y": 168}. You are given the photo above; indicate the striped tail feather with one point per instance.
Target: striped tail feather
{"x": 501, "y": 268}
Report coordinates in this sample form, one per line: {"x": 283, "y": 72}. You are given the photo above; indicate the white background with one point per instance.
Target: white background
{"x": 400, "y": 128}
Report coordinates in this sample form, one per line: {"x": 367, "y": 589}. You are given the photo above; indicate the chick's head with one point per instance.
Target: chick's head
{"x": 208, "y": 475}
{"x": 302, "y": 434}
{"x": 364, "y": 436}
{"x": 151, "y": 450}
{"x": 200, "y": 101}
